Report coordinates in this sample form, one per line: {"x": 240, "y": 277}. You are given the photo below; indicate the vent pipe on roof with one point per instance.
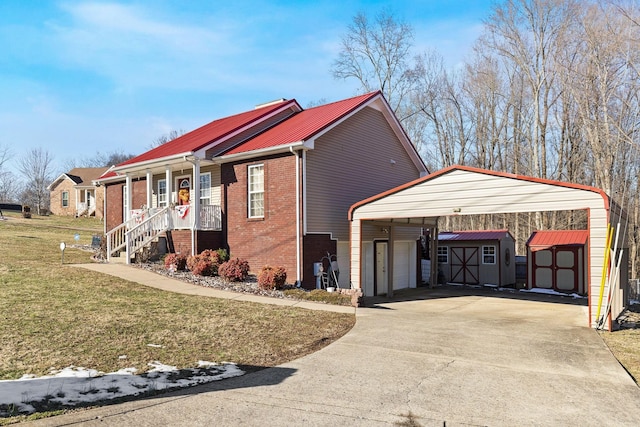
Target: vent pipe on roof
{"x": 266, "y": 104}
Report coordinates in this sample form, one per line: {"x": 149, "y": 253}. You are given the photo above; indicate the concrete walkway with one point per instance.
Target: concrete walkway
{"x": 158, "y": 281}
{"x": 439, "y": 358}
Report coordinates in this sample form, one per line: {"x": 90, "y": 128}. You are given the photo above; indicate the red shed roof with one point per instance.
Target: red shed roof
{"x": 473, "y": 235}
{"x": 543, "y": 239}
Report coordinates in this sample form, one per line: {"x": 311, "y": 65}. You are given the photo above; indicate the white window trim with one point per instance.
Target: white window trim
{"x": 202, "y": 188}
{"x": 166, "y": 196}
{"x": 445, "y": 254}
{"x": 125, "y": 208}
{"x": 494, "y": 254}
{"x": 250, "y": 193}
{"x": 63, "y": 200}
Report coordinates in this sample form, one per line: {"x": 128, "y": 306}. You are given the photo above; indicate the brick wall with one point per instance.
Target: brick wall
{"x": 55, "y": 199}
{"x": 272, "y": 239}
{"x": 114, "y": 217}
{"x": 315, "y": 247}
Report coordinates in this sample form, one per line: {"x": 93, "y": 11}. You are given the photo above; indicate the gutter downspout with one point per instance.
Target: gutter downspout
{"x": 298, "y": 243}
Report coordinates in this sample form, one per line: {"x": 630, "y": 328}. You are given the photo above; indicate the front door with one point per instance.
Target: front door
{"x": 465, "y": 266}
{"x": 380, "y": 276}
{"x": 183, "y": 187}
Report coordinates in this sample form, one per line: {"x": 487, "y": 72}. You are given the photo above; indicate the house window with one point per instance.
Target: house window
{"x": 125, "y": 207}
{"x": 162, "y": 193}
{"x": 488, "y": 254}
{"x": 256, "y": 191}
{"x": 443, "y": 255}
{"x": 65, "y": 199}
{"x": 205, "y": 189}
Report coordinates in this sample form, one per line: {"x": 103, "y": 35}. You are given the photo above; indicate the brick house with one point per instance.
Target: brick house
{"x": 74, "y": 193}
{"x": 273, "y": 185}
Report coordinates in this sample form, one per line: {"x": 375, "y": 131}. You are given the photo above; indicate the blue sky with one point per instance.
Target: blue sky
{"x": 81, "y": 77}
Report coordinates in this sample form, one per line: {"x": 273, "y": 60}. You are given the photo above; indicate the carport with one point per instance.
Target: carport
{"x": 462, "y": 190}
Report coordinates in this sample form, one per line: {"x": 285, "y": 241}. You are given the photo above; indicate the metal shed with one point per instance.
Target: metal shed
{"x": 463, "y": 190}
{"x": 557, "y": 260}
{"x": 477, "y": 257}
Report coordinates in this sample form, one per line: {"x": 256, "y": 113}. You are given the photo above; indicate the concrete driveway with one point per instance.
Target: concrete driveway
{"x": 444, "y": 357}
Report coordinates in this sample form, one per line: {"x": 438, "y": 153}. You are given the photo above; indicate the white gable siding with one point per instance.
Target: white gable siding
{"x": 350, "y": 163}
{"x": 464, "y": 192}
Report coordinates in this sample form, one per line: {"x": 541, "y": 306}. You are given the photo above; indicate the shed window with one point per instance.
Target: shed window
{"x": 65, "y": 199}
{"x": 256, "y": 191}
{"x": 443, "y": 255}
{"x": 488, "y": 254}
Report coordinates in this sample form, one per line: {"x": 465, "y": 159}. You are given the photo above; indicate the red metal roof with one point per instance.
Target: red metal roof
{"x": 547, "y": 238}
{"x": 207, "y": 134}
{"x": 299, "y": 127}
{"x": 473, "y": 235}
{"x": 303, "y": 125}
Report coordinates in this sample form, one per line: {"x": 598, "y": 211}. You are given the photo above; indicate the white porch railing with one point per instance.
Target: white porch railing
{"x": 143, "y": 233}
{"x": 81, "y": 208}
{"x": 211, "y": 218}
{"x": 145, "y": 225}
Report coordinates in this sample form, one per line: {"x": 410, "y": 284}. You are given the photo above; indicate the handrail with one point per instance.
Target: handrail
{"x": 138, "y": 236}
{"x": 138, "y": 231}
{"x": 116, "y": 239}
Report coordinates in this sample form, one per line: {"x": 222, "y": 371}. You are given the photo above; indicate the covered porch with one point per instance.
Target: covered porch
{"x": 180, "y": 195}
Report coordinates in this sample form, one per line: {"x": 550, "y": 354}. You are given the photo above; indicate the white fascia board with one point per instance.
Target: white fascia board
{"x": 142, "y": 166}
{"x": 55, "y": 181}
{"x": 262, "y": 152}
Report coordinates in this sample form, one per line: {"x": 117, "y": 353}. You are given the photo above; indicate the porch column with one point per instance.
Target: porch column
{"x": 149, "y": 189}
{"x": 196, "y": 194}
{"x": 169, "y": 186}
{"x": 129, "y": 201}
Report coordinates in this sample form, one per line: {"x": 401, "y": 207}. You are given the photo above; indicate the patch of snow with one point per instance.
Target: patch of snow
{"x": 552, "y": 292}
{"x": 490, "y": 285}
{"x": 72, "y": 386}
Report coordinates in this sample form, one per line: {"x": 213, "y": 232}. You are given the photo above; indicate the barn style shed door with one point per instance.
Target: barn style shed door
{"x": 556, "y": 268}
{"x": 465, "y": 266}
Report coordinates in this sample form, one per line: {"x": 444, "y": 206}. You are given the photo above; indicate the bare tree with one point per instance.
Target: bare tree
{"x": 9, "y": 185}
{"x": 377, "y": 54}
{"x": 163, "y": 139}
{"x": 35, "y": 166}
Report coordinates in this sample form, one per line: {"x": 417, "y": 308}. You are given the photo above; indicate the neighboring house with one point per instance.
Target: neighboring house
{"x": 74, "y": 193}
{"x": 273, "y": 185}
{"x": 483, "y": 257}
{"x": 558, "y": 260}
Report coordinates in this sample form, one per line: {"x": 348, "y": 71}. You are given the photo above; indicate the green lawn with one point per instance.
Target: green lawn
{"x": 55, "y": 315}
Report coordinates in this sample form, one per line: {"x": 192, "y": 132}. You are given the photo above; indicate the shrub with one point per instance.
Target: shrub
{"x": 204, "y": 264}
{"x": 234, "y": 270}
{"x": 223, "y": 255}
{"x": 175, "y": 262}
{"x": 272, "y": 278}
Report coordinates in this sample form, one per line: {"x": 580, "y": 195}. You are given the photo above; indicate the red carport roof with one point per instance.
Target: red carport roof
{"x": 303, "y": 125}
{"x": 472, "y": 235}
{"x": 547, "y": 238}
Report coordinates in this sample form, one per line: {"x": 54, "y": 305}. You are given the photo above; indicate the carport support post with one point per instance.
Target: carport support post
{"x": 390, "y": 263}
{"x": 433, "y": 245}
